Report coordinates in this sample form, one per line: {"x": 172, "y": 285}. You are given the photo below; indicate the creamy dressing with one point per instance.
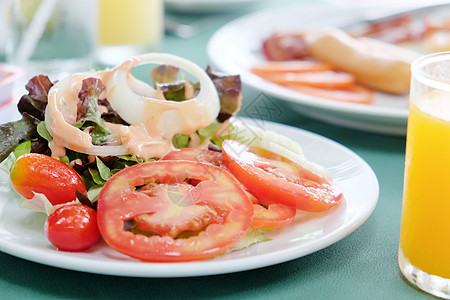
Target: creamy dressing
{"x": 61, "y": 111}
{"x": 154, "y": 120}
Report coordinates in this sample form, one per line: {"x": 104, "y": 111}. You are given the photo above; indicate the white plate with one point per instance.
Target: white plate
{"x": 236, "y": 47}
{"x": 210, "y": 6}
{"x": 21, "y": 231}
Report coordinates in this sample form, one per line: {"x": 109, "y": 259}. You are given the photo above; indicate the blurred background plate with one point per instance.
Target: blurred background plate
{"x": 235, "y": 47}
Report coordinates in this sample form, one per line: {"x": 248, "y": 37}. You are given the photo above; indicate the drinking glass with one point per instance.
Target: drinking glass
{"x": 128, "y": 28}
{"x": 52, "y": 36}
{"x": 424, "y": 252}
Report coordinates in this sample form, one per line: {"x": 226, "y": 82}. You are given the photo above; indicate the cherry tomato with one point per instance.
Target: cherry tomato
{"x": 72, "y": 227}
{"x": 272, "y": 216}
{"x": 37, "y": 173}
{"x": 170, "y": 211}
{"x": 275, "y": 179}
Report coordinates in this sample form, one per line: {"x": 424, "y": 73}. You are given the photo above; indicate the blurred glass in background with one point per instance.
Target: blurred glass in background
{"x": 51, "y": 36}
{"x": 127, "y": 28}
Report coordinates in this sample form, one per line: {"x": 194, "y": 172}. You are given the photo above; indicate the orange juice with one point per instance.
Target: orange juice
{"x": 425, "y": 231}
{"x": 128, "y": 28}
{"x": 136, "y": 22}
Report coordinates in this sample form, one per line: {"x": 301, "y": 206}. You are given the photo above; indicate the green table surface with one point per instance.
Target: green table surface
{"x": 363, "y": 265}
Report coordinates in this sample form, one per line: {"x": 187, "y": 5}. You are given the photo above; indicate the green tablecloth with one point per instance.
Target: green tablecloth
{"x": 361, "y": 266}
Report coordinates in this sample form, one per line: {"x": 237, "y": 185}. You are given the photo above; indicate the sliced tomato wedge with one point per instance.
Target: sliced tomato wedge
{"x": 275, "y": 179}
{"x": 272, "y": 216}
{"x": 168, "y": 211}
{"x": 267, "y": 216}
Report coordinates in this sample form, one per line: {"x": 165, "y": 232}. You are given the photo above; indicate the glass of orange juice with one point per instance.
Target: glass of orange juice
{"x": 424, "y": 252}
{"x": 128, "y": 28}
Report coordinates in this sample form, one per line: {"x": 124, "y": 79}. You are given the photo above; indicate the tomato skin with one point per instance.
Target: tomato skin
{"x": 302, "y": 190}
{"x": 72, "y": 227}
{"x": 274, "y": 216}
{"x": 38, "y": 173}
{"x": 125, "y": 197}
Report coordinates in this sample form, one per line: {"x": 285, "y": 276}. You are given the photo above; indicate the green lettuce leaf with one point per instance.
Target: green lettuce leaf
{"x": 88, "y": 113}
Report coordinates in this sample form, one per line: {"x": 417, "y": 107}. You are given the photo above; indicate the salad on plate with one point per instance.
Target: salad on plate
{"x": 162, "y": 172}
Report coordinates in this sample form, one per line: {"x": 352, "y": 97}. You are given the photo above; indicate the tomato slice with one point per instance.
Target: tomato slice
{"x": 272, "y": 216}
{"x": 275, "y": 179}
{"x": 267, "y": 217}
{"x": 167, "y": 211}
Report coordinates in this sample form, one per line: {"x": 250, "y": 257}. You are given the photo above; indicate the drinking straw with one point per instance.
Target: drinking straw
{"x": 34, "y": 31}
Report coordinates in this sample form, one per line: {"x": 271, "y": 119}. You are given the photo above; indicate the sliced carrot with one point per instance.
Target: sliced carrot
{"x": 323, "y": 79}
{"x": 355, "y": 93}
{"x": 296, "y": 66}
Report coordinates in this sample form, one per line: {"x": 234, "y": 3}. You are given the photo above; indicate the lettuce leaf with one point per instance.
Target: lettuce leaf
{"x": 164, "y": 74}
{"x": 88, "y": 113}
{"x": 35, "y": 102}
{"x": 229, "y": 88}
{"x": 32, "y": 107}
{"x": 178, "y": 90}
{"x": 253, "y": 236}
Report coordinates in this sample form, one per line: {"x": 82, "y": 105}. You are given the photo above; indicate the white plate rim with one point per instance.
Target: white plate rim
{"x": 125, "y": 266}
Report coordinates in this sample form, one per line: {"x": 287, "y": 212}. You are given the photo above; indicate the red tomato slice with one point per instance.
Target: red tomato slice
{"x": 272, "y": 216}
{"x": 169, "y": 211}
{"x": 275, "y": 179}
{"x": 38, "y": 173}
{"x": 355, "y": 93}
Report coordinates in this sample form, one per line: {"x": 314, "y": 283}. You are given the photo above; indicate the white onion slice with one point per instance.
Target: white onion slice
{"x": 130, "y": 105}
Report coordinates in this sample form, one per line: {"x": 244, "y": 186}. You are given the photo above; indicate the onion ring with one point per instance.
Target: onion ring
{"x": 132, "y": 110}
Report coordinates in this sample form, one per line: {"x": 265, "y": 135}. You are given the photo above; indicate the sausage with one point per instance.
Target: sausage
{"x": 376, "y": 64}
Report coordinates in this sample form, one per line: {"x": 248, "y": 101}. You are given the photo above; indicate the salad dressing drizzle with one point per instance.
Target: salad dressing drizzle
{"x": 155, "y": 120}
